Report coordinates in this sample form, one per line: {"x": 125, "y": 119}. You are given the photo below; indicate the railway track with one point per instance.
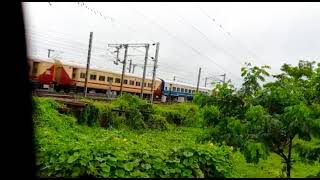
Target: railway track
{"x": 75, "y": 97}
{"x": 46, "y": 93}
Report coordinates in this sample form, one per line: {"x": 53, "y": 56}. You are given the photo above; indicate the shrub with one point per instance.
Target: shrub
{"x": 157, "y": 122}
{"x": 211, "y": 115}
{"x": 184, "y": 114}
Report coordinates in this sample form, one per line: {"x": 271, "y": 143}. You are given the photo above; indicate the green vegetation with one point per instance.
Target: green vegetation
{"x": 67, "y": 149}
{"x": 270, "y": 130}
{"x": 269, "y": 118}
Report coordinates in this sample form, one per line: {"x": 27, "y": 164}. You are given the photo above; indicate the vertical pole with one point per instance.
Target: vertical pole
{"x": 144, "y": 70}
{"x": 124, "y": 66}
{"x": 154, "y": 70}
{"x": 170, "y": 92}
{"x": 88, "y": 65}
{"x": 130, "y": 64}
{"x": 174, "y": 78}
{"x": 118, "y": 50}
{"x": 224, "y": 77}
{"x": 198, "y": 79}
{"x": 133, "y": 67}
{"x": 49, "y": 53}
{"x": 205, "y": 82}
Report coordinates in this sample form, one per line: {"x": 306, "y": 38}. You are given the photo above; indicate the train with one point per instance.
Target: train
{"x": 54, "y": 75}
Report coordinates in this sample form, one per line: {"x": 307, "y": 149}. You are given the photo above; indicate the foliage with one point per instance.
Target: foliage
{"x": 252, "y": 75}
{"x": 268, "y": 118}
{"x": 308, "y": 150}
{"x": 211, "y": 115}
{"x": 186, "y": 114}
{"x": 157, "y": 122}
{"x": 255, "y": 130}
{"x": 224, "y": 96}
{"x": 66, "y": 149}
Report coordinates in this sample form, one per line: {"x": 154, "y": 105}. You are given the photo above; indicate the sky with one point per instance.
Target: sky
{"x": 216, "y": 37}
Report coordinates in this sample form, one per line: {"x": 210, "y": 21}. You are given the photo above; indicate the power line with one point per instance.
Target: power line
{"x": 228, "y": 33}
{"x": 204, "y": 35}
{"x": 63, "y": 38}
{"x": 75, "y": 51}
{"x": 183, "y": 42}
{"x": 112, "y": 19}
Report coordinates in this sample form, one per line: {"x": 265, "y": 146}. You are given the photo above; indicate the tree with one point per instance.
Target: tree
{"x": 283, "y": 111}
{"x": 276, "y": 132}
{"x": 252, "y": 76}
{"x": 261, "y": 119}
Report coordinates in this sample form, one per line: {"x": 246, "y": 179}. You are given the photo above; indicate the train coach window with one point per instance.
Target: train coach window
{"x": 117, "y": 80}
{"x": 189, "y": 91}
{"x": 174, "y": 89}
{"x": 131, "y": 82}
{"x": 82, "y": 75}
{"x": 93, "y": 76}
{"x": 178, "y": 89}
{"x": 182, "y": 90}
{"x": 125, "y": 81}
{"x": 102, "y": 78}
{"x": 166, "y": 88}
{"x": 144, "y": 84}
{"x": 110, "y": 79}
{"x": 137, "y": 83}
{"x": 149, "y": 85}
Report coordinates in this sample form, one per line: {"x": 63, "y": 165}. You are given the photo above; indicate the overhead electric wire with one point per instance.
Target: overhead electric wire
{"x": 183, "y": 42}
{"x": 239, "y": 42}
{"x": 183, "y": 21}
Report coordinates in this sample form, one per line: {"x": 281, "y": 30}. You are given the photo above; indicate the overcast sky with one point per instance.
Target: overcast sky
{"x": 218, "y": 37}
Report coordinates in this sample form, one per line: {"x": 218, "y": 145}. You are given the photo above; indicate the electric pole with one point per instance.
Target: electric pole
{"x": 125, "y": 60}
{"x": 198, "y": 79}
{"x": 205, "y": 82}
{"x": 88, "y": 65}
{"x": 124, "y": 66}
{"x": 133, "y": 67}
{"x": 49, "y": 51}
{"x": 154, "y": 70}
{"x": 224, "y": 77}
{"x": 118, "y": 50}
{"x": 144, "y": 70}
{"x": 130, "y": 64}
{"x": 174, "y": 78}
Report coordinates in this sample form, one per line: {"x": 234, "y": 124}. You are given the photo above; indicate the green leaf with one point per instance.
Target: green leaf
{"x": 119, "y": 172}
{"x": 186, "y": 172}
{"x": 99, "y": 159}
{"x": 75, "y": 172}
{"x": 128, "y": 166}
{"x": 105, "y": 174}
{"x": 105, "y": 167}
{"x": 146, "y": 166}
{"x": 73, "y": 158}
{"x": 187, "y": 154}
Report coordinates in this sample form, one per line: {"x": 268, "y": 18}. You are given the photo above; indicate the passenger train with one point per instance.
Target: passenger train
{"x": 57, "y": 76}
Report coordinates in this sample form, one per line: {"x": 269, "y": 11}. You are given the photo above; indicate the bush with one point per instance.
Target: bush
{"x": 132, "y": 113}
{"x": 211, "y": 115}
{"x": 66, "y": 149}
{"x": 136, "y": 111}
{"x": 185, "y": 114}
{"x": 100, "y": 162}
{"x": 157, "y": 122}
